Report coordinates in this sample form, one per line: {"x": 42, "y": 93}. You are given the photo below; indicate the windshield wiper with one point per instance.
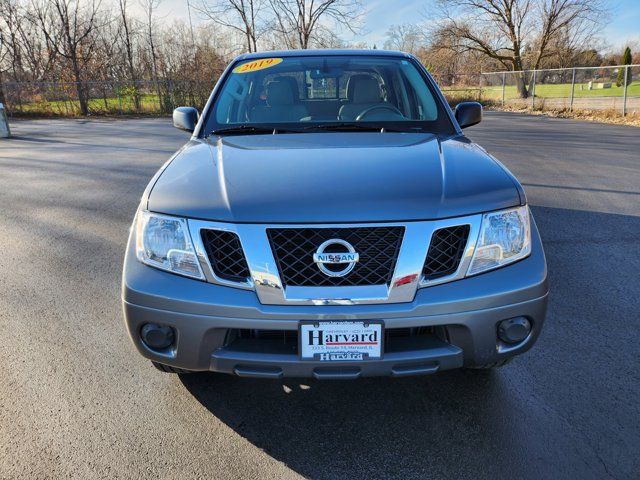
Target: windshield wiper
{"x": 332, "y": 127}
{"x": 245, "y": 130}
{"x": 337, "y": 127}
{"x": 345, "y": 127}
{"x": 361, "y": 127}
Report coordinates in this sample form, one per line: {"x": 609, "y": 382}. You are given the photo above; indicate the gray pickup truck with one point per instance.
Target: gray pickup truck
{"x": 329, "y": 219}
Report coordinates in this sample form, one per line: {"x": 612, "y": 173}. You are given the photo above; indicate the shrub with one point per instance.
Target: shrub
{"x": 626, "y": 60}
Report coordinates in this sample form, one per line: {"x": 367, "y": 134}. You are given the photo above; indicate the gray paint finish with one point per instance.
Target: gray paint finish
{"x": 199, "y": 311}
{"x": 331, "y": 177}
{"x": 157, "y": 289}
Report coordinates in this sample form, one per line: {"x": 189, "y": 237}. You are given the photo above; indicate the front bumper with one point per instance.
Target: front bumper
{"x": 459, "y": 320}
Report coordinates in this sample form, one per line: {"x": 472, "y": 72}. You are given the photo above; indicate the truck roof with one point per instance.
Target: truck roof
{"x": 322, "y": 53}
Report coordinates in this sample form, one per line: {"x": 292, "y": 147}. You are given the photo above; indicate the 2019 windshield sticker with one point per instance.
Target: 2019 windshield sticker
{"x": 256, "y": 65}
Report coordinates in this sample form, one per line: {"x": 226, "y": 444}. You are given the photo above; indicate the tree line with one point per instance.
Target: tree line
{"x": 83, "y": 41}
{"x": 464, "y": 37}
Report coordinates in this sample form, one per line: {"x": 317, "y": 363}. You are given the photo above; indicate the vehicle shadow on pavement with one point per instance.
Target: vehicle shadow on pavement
{"x": 369, "y": 428}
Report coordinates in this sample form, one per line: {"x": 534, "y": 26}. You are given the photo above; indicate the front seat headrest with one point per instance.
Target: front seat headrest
{"x": 293, "y": 85}
{"x": 278, "y": 93}
{"x": 363, "y": 88}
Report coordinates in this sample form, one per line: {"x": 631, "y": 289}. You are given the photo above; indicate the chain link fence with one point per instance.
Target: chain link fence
{"x": 615, "y": 89}
{"x": 611, "y": 88}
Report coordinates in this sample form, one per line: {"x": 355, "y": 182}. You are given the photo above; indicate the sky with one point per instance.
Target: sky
{"x": 623, "y": 25}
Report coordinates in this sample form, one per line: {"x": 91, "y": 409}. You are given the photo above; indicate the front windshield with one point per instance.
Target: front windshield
{"x": 307, "y": 92}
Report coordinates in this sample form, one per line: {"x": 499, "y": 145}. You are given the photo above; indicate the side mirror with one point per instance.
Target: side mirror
{"x": 185, "y": 118}
{"x": 468, "y": 114}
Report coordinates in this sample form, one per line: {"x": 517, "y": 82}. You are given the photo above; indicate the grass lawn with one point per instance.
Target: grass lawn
{"x": 562, "y": 90}
{"x": 148, "y": 104}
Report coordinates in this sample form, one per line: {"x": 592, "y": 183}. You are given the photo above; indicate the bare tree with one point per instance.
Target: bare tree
{"x": 301, "y": 21}
{"x": 4, "y": 53}
{"x": 505, "y": 30}
{"x": 9, "y": 47}
{"x": 17, "y": 46}
{"x": 67, "y": 27}
{"x": 127, "y": 33}
{"x": 243, "y": 16}
{"x": 150, "y": 7}
{"x": 565, "y": 25}
{"x": 30, "y": 57}
{"x": 407, "y": 37}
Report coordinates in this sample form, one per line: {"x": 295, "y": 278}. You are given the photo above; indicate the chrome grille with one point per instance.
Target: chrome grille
{"x": 445, "y": 251}
{"x": 293, "y": 249}
{"x": 225, "y": 255}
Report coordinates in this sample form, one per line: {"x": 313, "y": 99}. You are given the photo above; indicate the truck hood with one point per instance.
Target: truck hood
{"x": 331, "y": 177}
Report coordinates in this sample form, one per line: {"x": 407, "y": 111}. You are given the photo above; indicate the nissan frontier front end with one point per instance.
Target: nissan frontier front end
{"x": 329, "y": 219}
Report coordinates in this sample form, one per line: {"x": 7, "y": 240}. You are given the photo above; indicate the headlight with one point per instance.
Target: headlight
{"x": 504, "y": 238}
{"x": 164, "y": 242}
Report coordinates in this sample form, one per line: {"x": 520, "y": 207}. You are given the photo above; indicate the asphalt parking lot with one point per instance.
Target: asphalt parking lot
{"x": 76, "y": 400}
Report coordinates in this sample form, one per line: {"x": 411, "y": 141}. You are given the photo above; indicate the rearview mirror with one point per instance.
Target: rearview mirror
{"x": 185, "y": 118}
{"x": 468, "y": 114}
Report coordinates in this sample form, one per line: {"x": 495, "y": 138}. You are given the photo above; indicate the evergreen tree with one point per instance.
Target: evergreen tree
{"x": 626, "y": 60}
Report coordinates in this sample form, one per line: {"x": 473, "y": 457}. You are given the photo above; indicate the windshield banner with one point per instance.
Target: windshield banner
{"x": 256, "y": 65}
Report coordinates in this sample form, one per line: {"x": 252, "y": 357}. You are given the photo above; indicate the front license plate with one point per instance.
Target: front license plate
{"x": 340, "y": 341}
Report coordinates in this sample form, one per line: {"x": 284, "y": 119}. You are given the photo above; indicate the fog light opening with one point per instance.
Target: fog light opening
{"x": 514, "y": 330}
{"x": 157, "y": 337}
